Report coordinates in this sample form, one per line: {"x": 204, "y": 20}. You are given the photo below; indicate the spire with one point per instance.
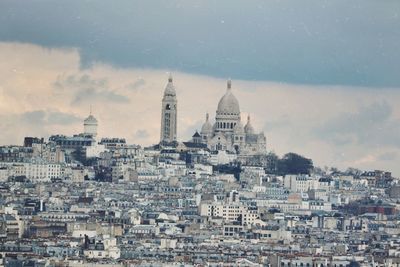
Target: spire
{"x": 207, "y": 116}
{"x": 229, "y": 84}
{"x": 169, "y": 89}
{"x": 248, "y": 118}
{"x": 90, "y": 110}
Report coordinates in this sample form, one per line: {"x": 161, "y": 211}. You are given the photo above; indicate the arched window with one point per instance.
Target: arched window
{"x": 224, "y": 125}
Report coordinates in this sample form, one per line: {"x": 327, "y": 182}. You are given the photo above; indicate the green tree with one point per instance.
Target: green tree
{"x": 292, "y": 163}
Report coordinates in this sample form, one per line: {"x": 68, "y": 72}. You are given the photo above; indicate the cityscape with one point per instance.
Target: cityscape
{"x": 217, "y": 199}
{"x": 155, "y": 158}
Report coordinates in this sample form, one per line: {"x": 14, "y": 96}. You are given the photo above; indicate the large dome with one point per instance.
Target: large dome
{"x": 228, "y": 105}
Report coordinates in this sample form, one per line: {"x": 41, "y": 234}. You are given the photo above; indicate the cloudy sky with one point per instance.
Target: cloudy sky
{"x": 320, "y": 78}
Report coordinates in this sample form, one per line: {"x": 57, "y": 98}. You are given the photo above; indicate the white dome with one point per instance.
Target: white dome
{"x": 249, "y": 128}
{"x": 90, "y": 120}
{"x": 228, "y": 104}
{"x": 207, "y": 127}
{"x": 170, "y": 89}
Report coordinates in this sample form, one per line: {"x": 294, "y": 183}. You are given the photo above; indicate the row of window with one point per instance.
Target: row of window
{"x": 226, "y": 125}
{"x": 233, "y": 229}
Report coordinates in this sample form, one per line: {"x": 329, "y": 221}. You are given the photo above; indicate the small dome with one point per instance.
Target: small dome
{"x": 207, "y": 127}
{"x": 228, "y": 103}
{"x": 249, "y": 128}
{"x": 170, "y": 89}
{"x": 238, "y": 129}
{"x": 90, "y": 120}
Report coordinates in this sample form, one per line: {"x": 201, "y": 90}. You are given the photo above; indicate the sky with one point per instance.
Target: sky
{"x": 320, "y": 78}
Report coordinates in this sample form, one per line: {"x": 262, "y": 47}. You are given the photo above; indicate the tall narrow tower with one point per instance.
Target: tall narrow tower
{"x": 169, "y": 113}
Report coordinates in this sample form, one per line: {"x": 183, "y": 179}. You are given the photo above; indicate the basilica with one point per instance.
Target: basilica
{"x": 226, "y": 133}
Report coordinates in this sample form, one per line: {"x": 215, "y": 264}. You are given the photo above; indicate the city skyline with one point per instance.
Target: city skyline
{"x": 330, "y": 94}
{"x": 302, "y": 124}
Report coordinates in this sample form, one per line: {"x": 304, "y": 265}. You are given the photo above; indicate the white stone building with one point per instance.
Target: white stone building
{"x": 228, "y": 132}
{"x": 230, "y": 210}
{"x": 37, "y": 172}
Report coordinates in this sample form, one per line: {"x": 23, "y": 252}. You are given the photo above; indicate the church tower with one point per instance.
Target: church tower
{"x": 169, "y": 114}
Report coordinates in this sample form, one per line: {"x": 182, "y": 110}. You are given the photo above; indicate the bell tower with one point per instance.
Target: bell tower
{"x": 169, "y": 114}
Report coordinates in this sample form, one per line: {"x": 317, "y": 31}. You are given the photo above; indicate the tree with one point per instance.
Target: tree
{"x": 79, "y": 155}
{"x": 292, "y": 163}
{"x": 233, "y": 168}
